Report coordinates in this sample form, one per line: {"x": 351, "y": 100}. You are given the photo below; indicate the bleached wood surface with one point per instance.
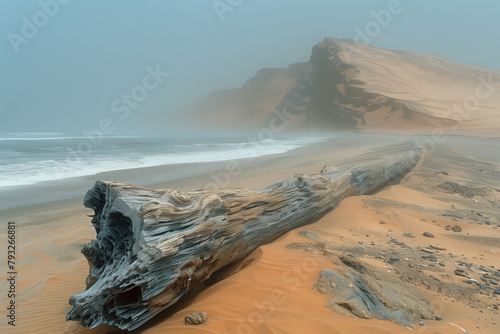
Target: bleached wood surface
{"x": 153, "y": 246}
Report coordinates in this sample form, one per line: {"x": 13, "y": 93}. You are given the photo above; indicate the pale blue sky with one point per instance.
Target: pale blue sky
{"x": 66, "y": 76}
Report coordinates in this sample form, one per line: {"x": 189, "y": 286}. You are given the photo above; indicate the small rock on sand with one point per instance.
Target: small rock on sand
{"x": 456, "y": 228}
{"x": 428, "y": 234}
{"x": 196, "y": 318}
{"x": 448, "y": 227}
{"x": 437, "y": 247}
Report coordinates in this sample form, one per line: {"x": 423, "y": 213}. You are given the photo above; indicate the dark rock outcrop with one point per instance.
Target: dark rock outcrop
{"x": 363, "y": 291}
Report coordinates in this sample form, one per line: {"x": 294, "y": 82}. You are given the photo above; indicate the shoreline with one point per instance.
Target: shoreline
{"x": 76, "y": 187}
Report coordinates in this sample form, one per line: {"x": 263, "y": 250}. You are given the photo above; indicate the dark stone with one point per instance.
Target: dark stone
{"x": 497, "y": 291}
{"x": 409, "y": 235}
{"x": 364, "y": 291}
{"x": 429, "y": 235}
{"x": 460, "y": 272}
{"x": 493, "y": 281}
{"x": 448, "y": 227}
{"x": 437, "y": 247}
{"x": 439, "y": 318}
{"x": 430, "y": 258}
{"x": 456, "y": 228}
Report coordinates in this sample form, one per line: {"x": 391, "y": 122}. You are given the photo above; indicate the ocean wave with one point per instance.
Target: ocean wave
{"x": 56, "y": 165}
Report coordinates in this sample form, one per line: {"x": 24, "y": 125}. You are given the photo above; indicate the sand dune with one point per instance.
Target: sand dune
{"x": 347, "y": 84}
{"x": 244, "y": 107}
{"x": 430, "y": 85}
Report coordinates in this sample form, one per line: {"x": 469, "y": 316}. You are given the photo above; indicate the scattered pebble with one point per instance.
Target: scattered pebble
{"x": 439, "y": 318}
{"x": 431, "y": 258}
{"x": 428, "y": 234}
{"x": 196, "y": 318}
{"x": 456, "y": 228}
{"x": 437, "y": 247}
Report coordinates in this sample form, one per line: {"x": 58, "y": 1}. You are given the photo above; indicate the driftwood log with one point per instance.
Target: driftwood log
{"x": 153, "y": 246}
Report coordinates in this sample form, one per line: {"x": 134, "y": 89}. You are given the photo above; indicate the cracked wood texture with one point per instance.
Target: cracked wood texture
{"x": 153, "y": 246}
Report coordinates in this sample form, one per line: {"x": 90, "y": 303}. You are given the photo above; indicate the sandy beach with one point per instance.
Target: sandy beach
{"x": 457, "y": 182}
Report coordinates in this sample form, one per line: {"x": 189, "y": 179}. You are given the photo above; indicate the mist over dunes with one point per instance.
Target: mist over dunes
{"x": 350, "y": 85}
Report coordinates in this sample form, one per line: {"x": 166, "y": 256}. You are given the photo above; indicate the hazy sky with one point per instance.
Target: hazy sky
{"x": 68, "y": 65}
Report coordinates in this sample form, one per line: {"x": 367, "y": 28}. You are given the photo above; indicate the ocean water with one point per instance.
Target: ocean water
{"x": 32, "y": 158}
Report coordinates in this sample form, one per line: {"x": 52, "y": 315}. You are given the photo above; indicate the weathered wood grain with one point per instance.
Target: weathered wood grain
{"x": 153, "y": 246}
